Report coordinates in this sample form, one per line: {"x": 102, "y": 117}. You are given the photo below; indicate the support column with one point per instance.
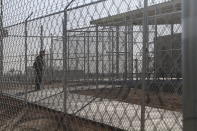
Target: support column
{"x": 26, "y": 33}
{"x": 112, "y": 54}
{"x": 41, "y": 38}
{"x": 51, "y": 58}
{"x": 88, "y": 54}
{"x": 117, "y": 51}
{"x": 69, "y": 42}
{"x": 109, "y": 53}
{"x": 172, "y": 33}
{"x": 103, "y": 57}
{"x": 126, "y": 53}
{"x": 155, "y": 46}
{"x": 84, "y": 55}
{"x": 26, "y": 58}
{"x": 65, "y": 40}
{"x": 130, "y": 54}
{"x": 144, "y": 63}
{"x": 26, "y": 47}
{"x": 172, "y": 29}
{"x": 97, "y": 57}
{"x": 1, "y": 40}
{"x": 189, "y": 51}
{"x": 136, "y": 69}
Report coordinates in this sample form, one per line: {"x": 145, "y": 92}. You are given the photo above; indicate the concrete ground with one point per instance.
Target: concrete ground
{"x": 111, "y": 112}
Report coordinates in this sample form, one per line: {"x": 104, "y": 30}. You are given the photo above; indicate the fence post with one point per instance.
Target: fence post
{"x": 109, "y": 54}
{"x": 84, "y": 55}
{"x": 97, "y": 57}
{"x": 136, "y": 69}
{"x": 144, "y": 63}
{"x": 130, "y": 53}
{"x": 155, "y": 44}
{"x": 26, "y": 47}
{"x": 69, "y": 42}
{"x": 88, "y": 55}
{"x": 65, "y": 60}
{"x": 26, "y": 59}
{"x": 103, "y": 57}
{"x": 189, "y": 46}
{"x": 117, "y": 51}
{"x": 1, "y": 40}
{"x": 126, "y": 53}
{"x": 41, "y": 38}
{"x": 51, "y": 58}
{"x": 112, "y": 54}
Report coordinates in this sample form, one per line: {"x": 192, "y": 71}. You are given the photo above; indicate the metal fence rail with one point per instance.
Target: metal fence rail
{"x": 108, "y": 65}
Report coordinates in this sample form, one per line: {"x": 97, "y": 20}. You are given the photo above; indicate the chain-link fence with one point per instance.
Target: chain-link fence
{"x": 91, "y": 65}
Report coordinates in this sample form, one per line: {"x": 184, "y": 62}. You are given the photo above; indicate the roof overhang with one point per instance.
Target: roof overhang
{"x": 163, "y": 13}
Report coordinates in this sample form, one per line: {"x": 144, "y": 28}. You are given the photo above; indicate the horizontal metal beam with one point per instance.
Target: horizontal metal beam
{"x": 36, "y": 36}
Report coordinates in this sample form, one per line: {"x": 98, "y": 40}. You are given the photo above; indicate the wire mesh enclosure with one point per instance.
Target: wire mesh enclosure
{"x": 91, "y": 65}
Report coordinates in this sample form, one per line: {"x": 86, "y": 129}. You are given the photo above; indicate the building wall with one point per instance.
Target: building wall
{"x": 168, "y": 56}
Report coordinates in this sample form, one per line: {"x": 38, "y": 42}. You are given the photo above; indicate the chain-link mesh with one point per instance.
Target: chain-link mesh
{"x": 90, "y": 65}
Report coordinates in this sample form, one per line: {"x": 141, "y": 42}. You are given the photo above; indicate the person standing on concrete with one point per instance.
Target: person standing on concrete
{"x": 39, "y": 67}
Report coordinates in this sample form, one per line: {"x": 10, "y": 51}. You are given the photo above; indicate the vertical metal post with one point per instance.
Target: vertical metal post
{"x": 68, "y": 51}
{"x": 112, "y": 54}
{"x": 41, "y": 38}
{"x": 88, "y": 55}
{"x": 26, "y": 33}
{"x": 189, "y": 47}
{"x": 155, "y": 46}
{"x": 97, "y": 57}
{"x": 47, "y": 78}
{"x": 51, "y": 58}
{"x": 84, "y": 55}
{"x": 103, "y": 57}
{"x": 42, "y": 44}
{"x": 130, "y": 53}
{"x": 136, "y": 69}
{"x": 20, "y": 65}
{"x": 65, "y": 60}
{"x": 1, "y": 40}
{"x": 172, "y": 29}
{"x": 126, "y": 53}
{"x": 172, "y": 33}
{"x": 31, "y": 61}
{"x": 144, "y": 63}
{"x": 76, "y": 55}
{"x": 117, "y": 51}
{"x": 26, "y": 58}
{"x": 26, "y": 47}
{"x": 109, "y": 53}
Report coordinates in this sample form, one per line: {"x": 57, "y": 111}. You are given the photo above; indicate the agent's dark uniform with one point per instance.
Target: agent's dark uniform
{"x": 38, "y": 67}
